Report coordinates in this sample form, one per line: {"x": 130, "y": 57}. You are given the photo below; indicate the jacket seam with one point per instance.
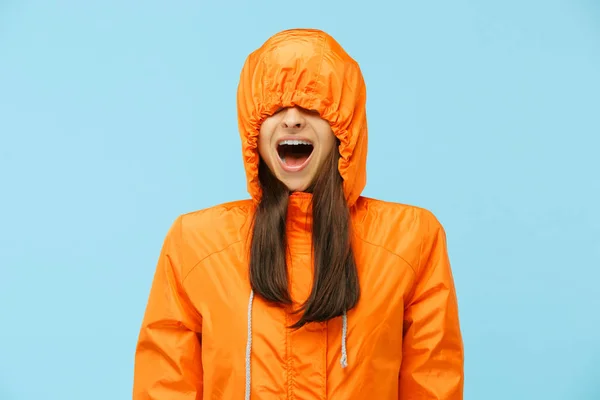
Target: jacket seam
{"x": 421, "y": 259}
{"x": 423, "y": 238}
{"x": 435, "y": 239}
{"x": 391, "y": 252}
{"x": 290, "y": 360}
{"x": 208, "y": 256}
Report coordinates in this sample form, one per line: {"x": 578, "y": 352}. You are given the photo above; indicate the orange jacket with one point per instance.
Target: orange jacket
{"x": 205, "y": 336}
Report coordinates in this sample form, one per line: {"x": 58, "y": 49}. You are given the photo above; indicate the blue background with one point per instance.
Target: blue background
{"x": 117, "y": 116}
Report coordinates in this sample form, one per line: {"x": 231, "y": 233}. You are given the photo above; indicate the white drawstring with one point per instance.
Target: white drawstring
{"x": 249, "y": 346}
{"x": 343, "y": 360}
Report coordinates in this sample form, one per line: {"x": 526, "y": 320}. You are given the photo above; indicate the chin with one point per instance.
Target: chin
{"x": 296, "y": 186}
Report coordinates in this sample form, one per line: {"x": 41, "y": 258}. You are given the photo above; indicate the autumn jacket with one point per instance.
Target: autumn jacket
{"x": 206, "y": 336}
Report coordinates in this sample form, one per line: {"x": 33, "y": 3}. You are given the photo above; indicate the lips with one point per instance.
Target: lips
{"x": 294, "y": 154}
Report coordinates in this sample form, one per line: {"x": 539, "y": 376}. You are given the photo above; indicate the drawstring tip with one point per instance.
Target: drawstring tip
{"x": 344, "y": 362}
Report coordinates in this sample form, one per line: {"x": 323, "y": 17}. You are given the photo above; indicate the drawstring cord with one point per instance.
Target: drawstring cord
{"x": 343, "y": 360}
{"x": 249, "y": 346}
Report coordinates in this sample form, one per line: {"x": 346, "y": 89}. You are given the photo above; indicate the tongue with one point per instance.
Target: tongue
{"x": 294, "y": 160}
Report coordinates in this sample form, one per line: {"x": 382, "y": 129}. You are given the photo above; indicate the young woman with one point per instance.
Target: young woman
{"x": 307, "y": 290}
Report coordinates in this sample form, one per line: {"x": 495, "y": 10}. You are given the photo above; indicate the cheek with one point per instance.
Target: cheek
{"x": 325, "y": 134}
{"x": 263, "y": 142}
{"x": 329, "y": 142}
{"x": 262, "y": 147}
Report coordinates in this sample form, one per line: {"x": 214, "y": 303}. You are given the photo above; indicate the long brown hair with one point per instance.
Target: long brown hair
{"x": 335, "y": 284}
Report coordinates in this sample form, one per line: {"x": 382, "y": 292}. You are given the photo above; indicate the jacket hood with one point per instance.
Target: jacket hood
{"x": 309, "y": 69}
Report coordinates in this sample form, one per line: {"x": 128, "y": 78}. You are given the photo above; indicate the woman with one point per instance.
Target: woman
{"x": 308, "y": 290}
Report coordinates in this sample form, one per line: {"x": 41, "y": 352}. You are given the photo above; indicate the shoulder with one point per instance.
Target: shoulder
{"x": 204, "y": 232}
{"x": 221, "y": 216}
{"x": 391, "y": 214}
{"x": 402, "y": 229}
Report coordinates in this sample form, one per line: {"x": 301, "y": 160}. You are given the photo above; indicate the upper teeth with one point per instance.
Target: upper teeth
{"x": 294, "y": 142}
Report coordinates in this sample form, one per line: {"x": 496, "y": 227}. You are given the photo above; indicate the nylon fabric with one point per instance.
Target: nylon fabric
{"x": 205, "y": 335}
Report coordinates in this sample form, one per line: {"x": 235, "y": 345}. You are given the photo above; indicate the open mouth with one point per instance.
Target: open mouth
{"x": 294, "y": 154}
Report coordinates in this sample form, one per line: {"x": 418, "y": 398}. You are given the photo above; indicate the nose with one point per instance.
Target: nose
{"x": 293, "y": 119}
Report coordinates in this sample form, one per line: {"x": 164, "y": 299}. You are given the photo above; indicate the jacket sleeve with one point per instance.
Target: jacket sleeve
{"x": 433, "y": 356}
{"x": 168, "y": 356}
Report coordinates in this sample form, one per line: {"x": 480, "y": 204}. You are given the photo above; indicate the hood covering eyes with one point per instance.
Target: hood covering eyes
{"x": 309, "y": 69}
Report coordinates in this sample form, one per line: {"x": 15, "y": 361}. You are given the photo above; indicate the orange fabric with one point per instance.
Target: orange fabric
{"x": 403, "y": 339}
{"x": 324, "y": 78}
